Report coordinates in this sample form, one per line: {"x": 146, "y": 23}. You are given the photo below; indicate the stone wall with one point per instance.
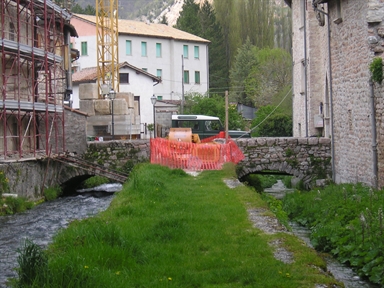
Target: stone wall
{"x": 308, "y": 159}
{"x": 75, "y": 131}
{"x": 305, "y": 158}
{"x": 356, "y": 38}
{"x": 114, "y": 154}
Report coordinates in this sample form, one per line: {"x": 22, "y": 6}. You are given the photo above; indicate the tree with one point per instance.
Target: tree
{"x": 164, "y": 20}
{"x": 272, "y": 74}
{"x": 211, "y": 30}
{"x": 188, "y": 20}
{"x": 271, "y": 121}
{"x": 214, "y": 106}
{"x": 245, "y": 60}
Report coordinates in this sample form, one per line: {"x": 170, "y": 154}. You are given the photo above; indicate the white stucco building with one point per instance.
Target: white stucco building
{"x": 161, "y": 50}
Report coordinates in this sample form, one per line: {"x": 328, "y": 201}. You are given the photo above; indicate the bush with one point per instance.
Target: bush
{"x": 52, "y": 193}
{"x": 4, "y": 186}
{"x": 278, "y": 124}
{"x": 11, "y": 205}
{"x": 95, "y": 181}
{"x": 346, "y": 221}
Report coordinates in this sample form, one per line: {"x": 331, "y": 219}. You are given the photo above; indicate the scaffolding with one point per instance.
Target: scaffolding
{"x": 34, "y": 61}
{"x": 107, "y": 44}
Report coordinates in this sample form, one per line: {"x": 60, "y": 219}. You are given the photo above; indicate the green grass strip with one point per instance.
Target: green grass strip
{"x": 169, "y": 229}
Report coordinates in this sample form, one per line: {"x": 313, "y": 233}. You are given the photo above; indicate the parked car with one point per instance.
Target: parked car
{"x": 205, "y": 126}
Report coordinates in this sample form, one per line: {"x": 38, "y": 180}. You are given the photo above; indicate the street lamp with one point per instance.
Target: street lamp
{"x": 112, "y": 96}
{"x": 153, "y": 100}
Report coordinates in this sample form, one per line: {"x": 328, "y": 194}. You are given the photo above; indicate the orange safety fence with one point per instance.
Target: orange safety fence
{"x": 193, "y": 156}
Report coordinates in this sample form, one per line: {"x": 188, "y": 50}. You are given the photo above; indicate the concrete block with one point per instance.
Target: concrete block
{"x": 88, "y": 91}
{"x": 87, "y": 107}
{"x": 119, "y": 107}
{"x": 102, "y": 107}
{"x": 129, "y": 98}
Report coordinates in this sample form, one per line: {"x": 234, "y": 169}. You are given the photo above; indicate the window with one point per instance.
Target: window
{"x": 144, "y": 49}
{"x": 144, "y": 69}
{"x": 158, "y": 50}
{"x": 186, "y": 76}
{"x": 84, "y": 48}
{"x": 185, "y": 51}
{"x": 197, "y": 77}
{"x": 159, "y": 97}
{"x": 11, "y": 32}
{"x": 159, "y": 73}
{"x": 124, "y": 78}
{"x": 128, "y": 47}
{"x": 197, "y": 52}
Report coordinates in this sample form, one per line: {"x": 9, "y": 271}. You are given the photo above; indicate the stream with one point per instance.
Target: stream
{"x": 340, "y": 271}
{"x": 42, "y": 222}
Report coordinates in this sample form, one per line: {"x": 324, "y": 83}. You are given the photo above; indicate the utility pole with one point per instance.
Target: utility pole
{"x": 182, "y": 85}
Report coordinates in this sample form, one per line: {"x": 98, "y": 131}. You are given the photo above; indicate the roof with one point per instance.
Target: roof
{"x": 138, "y": 28}
{"x": 88, "y": 75}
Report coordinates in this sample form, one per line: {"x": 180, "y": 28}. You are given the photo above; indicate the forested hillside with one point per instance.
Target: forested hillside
{"x": 133, "y": 9}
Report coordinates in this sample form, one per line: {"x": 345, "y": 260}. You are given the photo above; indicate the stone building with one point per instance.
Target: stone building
{"x": 334, "y": 43}
{"x": 35, "y": 65}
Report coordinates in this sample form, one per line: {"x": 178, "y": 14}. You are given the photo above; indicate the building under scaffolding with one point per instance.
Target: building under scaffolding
{"x": 35, "y": 63}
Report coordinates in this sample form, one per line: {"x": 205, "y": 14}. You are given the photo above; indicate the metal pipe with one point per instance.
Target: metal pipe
{"x": 305, "y": 69}
{"x": 330, "y": 93}
{"x": 374, "y": 135}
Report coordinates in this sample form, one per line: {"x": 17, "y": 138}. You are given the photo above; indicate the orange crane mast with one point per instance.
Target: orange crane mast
{"x": 107, "y": 44}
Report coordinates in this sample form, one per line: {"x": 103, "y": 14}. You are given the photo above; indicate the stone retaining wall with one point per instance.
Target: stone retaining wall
{"x": 308, "y": 159}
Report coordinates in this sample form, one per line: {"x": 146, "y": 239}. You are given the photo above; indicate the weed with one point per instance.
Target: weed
{"x": 345, "y": 220}
{"x": 51, "y": 193}
{"x": 32, "y": 264}
{"x": 95, "y": 181}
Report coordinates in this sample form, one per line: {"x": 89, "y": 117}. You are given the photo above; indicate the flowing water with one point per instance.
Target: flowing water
{"x": 42, "y": 222}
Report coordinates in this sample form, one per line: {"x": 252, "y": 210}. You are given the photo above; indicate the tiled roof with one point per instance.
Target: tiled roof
{"x": 87, "y": 75}
{"x": 150, "y": 30}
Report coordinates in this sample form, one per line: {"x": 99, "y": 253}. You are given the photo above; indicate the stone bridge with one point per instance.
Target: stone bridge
{"x": 308, "y": 159}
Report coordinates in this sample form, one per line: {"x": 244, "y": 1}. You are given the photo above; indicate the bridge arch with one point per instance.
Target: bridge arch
{"x": 308, "y": 159}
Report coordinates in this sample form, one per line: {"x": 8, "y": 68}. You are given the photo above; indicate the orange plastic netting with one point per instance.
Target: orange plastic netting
{"x": 207, "y": 155}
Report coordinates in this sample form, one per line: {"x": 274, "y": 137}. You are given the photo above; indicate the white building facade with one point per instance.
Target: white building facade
{"x": 163, "y": 51}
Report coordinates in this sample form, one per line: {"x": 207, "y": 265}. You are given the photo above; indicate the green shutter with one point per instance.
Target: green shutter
{"x": 158, "y": 50}
{"x": 128, "y": 47}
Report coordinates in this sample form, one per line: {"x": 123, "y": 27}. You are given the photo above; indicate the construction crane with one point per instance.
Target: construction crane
{"x": 107, "y": 45}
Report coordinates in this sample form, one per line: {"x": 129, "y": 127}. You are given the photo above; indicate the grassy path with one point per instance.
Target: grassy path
{"x": 169, "y": 229}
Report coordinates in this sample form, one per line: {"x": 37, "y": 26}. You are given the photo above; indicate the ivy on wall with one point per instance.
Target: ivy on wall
{"x": 376, "y": 68}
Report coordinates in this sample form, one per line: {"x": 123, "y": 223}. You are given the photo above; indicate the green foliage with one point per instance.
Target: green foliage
{"x": 214, "y": 106}
{"x": 346, "y": 221}
{"x": 189, "y": 18}
{"x": 276, "y": 206}
{"x": 95, "y": 181}
{"x": 242, "y": 20}
{"x": 4, "y": 186}
{"x": 270, "y": 80}
{"x": 245, "y": 60}
{"x": 167, "y": 228}
{"x": 12, "y": 205}
{"x": 376, "y": 68}
{"x": 33, "y": 262}
{"x": 51, "y": 193}
{"x": 271, "y": 122}
{"x": 260, "y": 182}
